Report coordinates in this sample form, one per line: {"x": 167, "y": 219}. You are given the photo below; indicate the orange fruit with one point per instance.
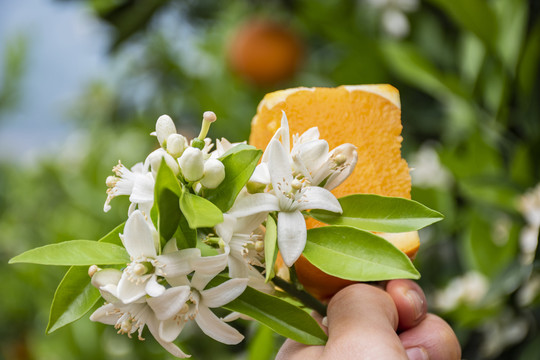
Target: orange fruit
{"x": 265, "y": 52}
{"x": 368, "y": 116}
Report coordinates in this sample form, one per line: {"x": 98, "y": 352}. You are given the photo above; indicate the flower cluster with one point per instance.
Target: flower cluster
{"x": 164, "y": 287}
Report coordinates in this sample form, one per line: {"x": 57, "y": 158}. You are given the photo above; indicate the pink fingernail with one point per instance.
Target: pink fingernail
{"x": 417, "y": 353}
{"x": 417, "y": 302}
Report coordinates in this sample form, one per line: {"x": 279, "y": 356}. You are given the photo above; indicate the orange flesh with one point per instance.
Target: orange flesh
{"x": 368, "y": 117}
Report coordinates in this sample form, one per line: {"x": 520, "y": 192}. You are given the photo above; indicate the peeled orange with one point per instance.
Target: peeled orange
{"x": 368, "y": 116}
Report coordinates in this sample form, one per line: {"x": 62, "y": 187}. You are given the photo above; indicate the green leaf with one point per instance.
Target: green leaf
{"x": 270, "y": 241}
{"x": 239, "y": 165}
{"x": 167, "y": 192}
{"x": 512, "y": 16}
{"x": 186, "y": 237}
{"x": 528, "y": 67}
{"x": 477, "y": 16}
{"x": 413, "y": 67}
{"x": 379, "y": 213}
{"x": 262, "y": 345}
{"x": 199, "y": 212}
{"x": 237, "y": 148}
{"x": 282, "y": 317}
{"x": 357, "y": 255}
{"x": 490, "y": 249}
{"x": 75, "y": 296}
{"x": 75, "y": 252}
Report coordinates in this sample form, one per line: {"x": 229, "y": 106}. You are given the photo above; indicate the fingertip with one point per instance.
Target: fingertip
{"x": 410, "y": 302}
{"x": 434, "y": 337}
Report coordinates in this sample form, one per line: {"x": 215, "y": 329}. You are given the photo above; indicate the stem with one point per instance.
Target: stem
{"x": 305, "y": 298}
{"x": 204, "y": 129}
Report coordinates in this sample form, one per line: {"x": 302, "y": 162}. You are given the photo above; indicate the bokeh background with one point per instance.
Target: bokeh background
{"x": 82, "y": 83}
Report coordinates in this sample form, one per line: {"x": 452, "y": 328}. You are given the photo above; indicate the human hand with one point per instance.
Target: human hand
{"x": 363, "y": 320}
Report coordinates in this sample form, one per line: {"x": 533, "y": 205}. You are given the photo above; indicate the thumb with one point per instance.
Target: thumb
{"x": 362, "y": 323}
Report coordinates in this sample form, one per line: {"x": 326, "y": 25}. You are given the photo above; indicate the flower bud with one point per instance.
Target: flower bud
{"x": 105, "y": 277}
{"x": 192, "y": 164}
{"x": 154, "y": 159}
{"x": 92, "y": 270}
{"x": 214, "y": 173}
{"x": 176, "y": 144}
{"x": 164, "y": 128}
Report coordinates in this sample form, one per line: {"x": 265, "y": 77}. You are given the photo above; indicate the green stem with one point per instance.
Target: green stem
{"x": 305, "y": 298}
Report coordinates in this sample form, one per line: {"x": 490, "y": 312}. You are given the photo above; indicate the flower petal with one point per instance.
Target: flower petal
{"x": 350, "y": 153}
{"x": 312, "y": 154}
{"x": 247, "y": 224}
{"x": 179, "y": 262}
{"x": 170, "y": 302}
{"x": 137, "y": 238}
{"x": 210, "y": 265}
{"x": 225, "y": 228}
{"x": 292, "y": 235}
{"x": 308, "y": 135}
{"x": 285, "y": 132}
{"x": 153, "y": 326}
{"x": 143, "y": 189}
{"x": 279, "y": 165}
{"x": 106, "y": 276}
{"x": 153, "y": 288}
{"x": 200, "y": 280}
{"x": 261, "y": 174}
{"x": 224, "y": 293}
{"x": 170, "y": 329}
{"x": 130, "y": 291}
{"x": 314, "y": 197}
{"x": 105, "y": 314}
{"x": 212, "y": 326}
{"x": 250, "y": 204}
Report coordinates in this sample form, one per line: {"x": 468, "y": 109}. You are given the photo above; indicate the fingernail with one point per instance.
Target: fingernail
{"x": 417, "y": 353}
{"x": 324, "y": 321}
{"x": 417, "y": 302}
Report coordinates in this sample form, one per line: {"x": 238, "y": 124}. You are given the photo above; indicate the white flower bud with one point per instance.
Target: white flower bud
{"x": 164, "y": 128}
{"x": 154, "y": 159}
{"x": 176, "y": 144}
{"x": 192, "y": 164}
{"x": 92, "y": 270}
{"x": 214, "y": 173}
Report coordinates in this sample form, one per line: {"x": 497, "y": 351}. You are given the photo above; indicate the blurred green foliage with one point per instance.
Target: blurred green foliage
{"x": 468, "y": 75}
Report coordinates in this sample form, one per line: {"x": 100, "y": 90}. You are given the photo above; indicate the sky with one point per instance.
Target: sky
{"x": 66, "y": 49}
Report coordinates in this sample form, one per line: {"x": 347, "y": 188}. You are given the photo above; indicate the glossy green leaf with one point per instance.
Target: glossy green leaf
{"x": 270, "y": 249}
{"x": 167, "y": 192}
{"x": 237, "y": 148}
{"x": 75, "y": 252}
{"x": 379, "y": 213}
{"x": 358, "y": 255}
{"x": 282, "y": 317}
{"x": 199, "y": 212}
{"x": 186, "y": 237}
{"x": 75, "y": 296}
{"x": 476, "y": 16}
{"x": 239, "y": 166}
